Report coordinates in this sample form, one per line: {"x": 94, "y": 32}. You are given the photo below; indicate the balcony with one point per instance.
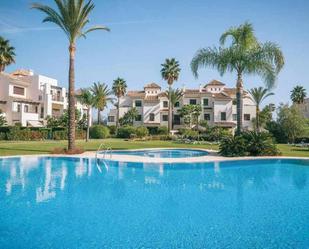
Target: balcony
{"x": 57, "y": 98}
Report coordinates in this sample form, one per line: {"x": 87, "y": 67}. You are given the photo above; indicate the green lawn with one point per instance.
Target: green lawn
{"x": 44, "y": 147}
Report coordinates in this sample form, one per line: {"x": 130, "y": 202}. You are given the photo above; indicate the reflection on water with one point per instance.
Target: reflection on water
{"x": 212, "y": 205}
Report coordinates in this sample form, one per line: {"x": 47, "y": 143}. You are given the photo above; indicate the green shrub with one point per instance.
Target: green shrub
{"x": 99, "y": 132}
{"x": 260, "y": 144}
{"x": 2, "y": 136}
{"x": 60, "y": 135}
{"x": 126, "y": 132}
{"x": 188, "y": 133}
{"x": 141, "y": 131}
{"x": 112, "y": 129}
{"x": 249, "y": 144}
{"x": 233, "y": 146}
{"x": 162, "y": 130}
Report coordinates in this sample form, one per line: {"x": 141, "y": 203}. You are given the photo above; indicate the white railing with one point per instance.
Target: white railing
{"x": 103, "y": 150}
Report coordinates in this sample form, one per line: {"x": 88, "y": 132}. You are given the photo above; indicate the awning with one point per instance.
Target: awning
{"x": 34, "y": 123}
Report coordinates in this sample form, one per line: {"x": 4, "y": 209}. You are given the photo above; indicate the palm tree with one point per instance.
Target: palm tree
{"x": 245, "y": 56}
{"x": 258, "y": 94}
{"x": 170, "y": 72}
{"x": 86, "y": 98}
{"x": 298, "y": 94}
{"x": 174, "y": 96}
{"x": 71, "y": 16}
{"x": 7, "y": 54}
{"x": 119, "y": 89}
{"x": 102, "y": 96}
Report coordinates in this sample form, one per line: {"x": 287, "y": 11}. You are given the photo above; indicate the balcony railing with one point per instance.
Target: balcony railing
{"x": 57, "y": 98}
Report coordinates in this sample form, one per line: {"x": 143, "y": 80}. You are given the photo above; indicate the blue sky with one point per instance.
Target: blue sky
{"x": 144, "y": 33}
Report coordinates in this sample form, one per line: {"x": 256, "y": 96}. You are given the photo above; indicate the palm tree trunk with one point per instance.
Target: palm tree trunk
{"x": 88, "y": 123}
{"x": 1, "y": 68}
{"x": 170, "y": 118}
{"x": 71, "y": 133}
{"x": 99, "y": 119}
{"x": 257, "y": 118}
{"x": 239, "y": 102}
{"x": 117, "y": 121}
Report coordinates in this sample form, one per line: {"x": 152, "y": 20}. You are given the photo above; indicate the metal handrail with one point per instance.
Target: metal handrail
{"x": 108, "y": 149}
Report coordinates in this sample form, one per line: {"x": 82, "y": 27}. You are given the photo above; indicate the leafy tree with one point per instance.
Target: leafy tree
{"x": 63, "y": 120}
{"x": 129, "y": 117}
{"x": 266, "y": 115}
{"x": 7, "y": 54}
{"x": 102, "y": 96}
{"x": 244, "y": 56}
{"x": 259, "y": 94}
{"x": 298, "y": 95}
{"x": 170, "y": 72}
{"x": 119, "y": 89}
{"x": 71, "y": 16}
{"x": 196, "y": 113}
{"x": 174, "y": 96}
{"x": 291, "y": 122}
{"x": 86, "y": 98}
{"x": 187, "y": 113}
{"x": 2, "y": 119}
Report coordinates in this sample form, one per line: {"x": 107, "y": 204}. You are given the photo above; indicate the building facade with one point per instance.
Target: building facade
{"x": 29, "y": 98}
{"x": 218, "y": 104}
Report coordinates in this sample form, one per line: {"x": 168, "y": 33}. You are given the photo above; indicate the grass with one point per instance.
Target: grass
{"x": 10, "y": 148}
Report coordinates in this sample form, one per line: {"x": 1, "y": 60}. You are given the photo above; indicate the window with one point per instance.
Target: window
{"x": 138, "y": 118}
{"x": 247, "y": 117}
{"x": 111, "y": 118}
{"x": 177, "y": 104}
{"x": 138, "y": 103}
{"x": 207, "y": 116}
{"x": 18, "y": 90}
{"x": 26, "y": 108}
{"x": 151, "y": 117}
{"x": 176, "y": 120}
{"x": 42, "y": 112}
{"x": 18, "y": 107}
{"x": 234, "y": 101}
{"x": 40, "y": 97}
{"x": 165, "y": 104}
{"x": 165, "y": 118}
{"x": 192, "y": 101}
{"x": 205, "y": 102}
{"x": 36, "y": 109}
{"x": 234, "y": 117}
{"x": 223, "y": 116}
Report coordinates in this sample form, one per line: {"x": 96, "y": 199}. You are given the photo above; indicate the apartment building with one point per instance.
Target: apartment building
{"x": 28, "y": 98}
{"x": 217, "y": 100}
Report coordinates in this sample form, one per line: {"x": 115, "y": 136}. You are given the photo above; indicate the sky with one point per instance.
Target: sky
{"x": 144, "y": 33}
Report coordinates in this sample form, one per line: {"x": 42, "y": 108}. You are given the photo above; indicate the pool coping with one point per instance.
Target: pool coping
{"x": 212, "y": 156}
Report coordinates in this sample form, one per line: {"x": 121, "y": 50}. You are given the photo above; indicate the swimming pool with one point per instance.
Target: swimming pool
{"x": 55, "y": 202}
{"x": 163, "y": 153}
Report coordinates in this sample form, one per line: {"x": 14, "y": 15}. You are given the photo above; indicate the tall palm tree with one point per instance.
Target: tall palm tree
{"x": 245, "y": 56}
{"x": 86, "y": 98}
{"x": 170, "y": 72}
{"x": 119, "y": 89}
{"x": 259, "y": 94}
{"x": 7, "y": 54}
{"x": 71, "y": 16}
{"x": 298, "y": 94}
{"x": 102, "y": 96}
{"x": 174, "y": 96}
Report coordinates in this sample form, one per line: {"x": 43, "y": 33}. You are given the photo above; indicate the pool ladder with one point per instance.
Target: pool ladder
{"x": 105, "y": 149}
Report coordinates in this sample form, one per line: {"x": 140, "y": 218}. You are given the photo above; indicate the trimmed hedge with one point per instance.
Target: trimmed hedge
{"x": 98, "y": 132}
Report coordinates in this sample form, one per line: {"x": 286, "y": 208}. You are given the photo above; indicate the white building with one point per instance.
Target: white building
{"x": 29, "y": 98}
{"x": 218, "y": 106}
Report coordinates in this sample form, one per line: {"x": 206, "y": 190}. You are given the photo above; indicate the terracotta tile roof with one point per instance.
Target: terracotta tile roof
{"x": 192, "y": 91}
{"x": 215, "y": 83}
{"x": 225, "y": 124}
{"x": 152, "y": 85}
{"x": 136, "y": 94}
{"x": 21, "y": 72}
{"x": 15, "y": 79}
{"x": 221, "y": 96}
{"x": 162, "y": 94}
{"x": 26, "y": 101}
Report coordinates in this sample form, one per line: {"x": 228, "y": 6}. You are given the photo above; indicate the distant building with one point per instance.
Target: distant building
{"x": 218, "y": 106}
{"x": 29, "y": 98}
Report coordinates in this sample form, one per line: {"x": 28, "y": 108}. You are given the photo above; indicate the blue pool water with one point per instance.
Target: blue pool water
{"x": 163, "y": 153}
{"x": 68, "y": 203}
